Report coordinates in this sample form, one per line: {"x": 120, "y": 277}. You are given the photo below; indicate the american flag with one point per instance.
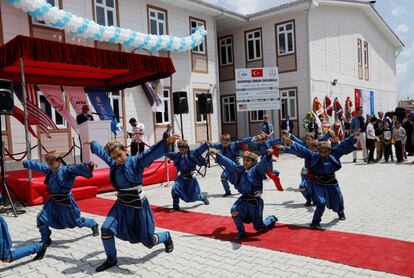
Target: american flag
{"x": 33, "y": 106}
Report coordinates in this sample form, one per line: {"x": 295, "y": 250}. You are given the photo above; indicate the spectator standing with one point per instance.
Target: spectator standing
{"x": 408, "y": 126}
{"x": 266, "y": 127}
{"x": 287, "y": 124}
{"x": 379, "y": 134}
{"x": 400, "y": 138}
{"x": 371, "y": 139}
{"x": 358, "y": 127}
{"x": 84, "y": 116}
{"x": 167, "y": 134}
{"x": 387, "y": 142}
{"x": 137, "y": 137}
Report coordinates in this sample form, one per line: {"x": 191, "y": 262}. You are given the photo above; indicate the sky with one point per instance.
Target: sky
{"x": 399, "y": 15}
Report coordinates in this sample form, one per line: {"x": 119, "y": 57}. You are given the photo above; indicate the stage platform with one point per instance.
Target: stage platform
{"x": 34, "y": 192}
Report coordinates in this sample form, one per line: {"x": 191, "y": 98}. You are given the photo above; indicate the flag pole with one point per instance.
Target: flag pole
{"x": 26, "y": 125}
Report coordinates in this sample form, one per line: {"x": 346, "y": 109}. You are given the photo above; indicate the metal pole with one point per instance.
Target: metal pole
{"x": 26, "y": 125}
{"x": 181, "y": 121}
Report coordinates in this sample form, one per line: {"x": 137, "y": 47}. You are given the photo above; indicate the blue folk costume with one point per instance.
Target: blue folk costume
{"x": 248, "y": 208}
{"x": 61, "y": 211}
{"x": 307, "y": 175}
{"x": 232, "y": 152}
{"x": 130, "y": 218}
{"x": 186, "y": 186}
{"x": 263, "y": 147}
{"x": 326, "y": 190}
{"x": 6, "y": 252}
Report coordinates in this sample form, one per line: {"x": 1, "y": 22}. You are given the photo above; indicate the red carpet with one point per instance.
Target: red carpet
{"x": 34, "y": 192}
{"x": 363, "y": 251}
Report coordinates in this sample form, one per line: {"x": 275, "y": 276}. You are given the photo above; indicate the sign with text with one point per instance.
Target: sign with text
{"x": 257, "y": 100}
{"x": 257, "y": 78}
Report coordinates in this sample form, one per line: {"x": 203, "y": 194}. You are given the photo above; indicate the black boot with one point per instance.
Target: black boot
{"x": 315, "y": 226}
{"x": 226, "y": 194}
{"x": 206, "y": 201}
{"x": 95, "y": 230}
{"x": 40, "y": 254}
{"x": 341, "y": 215}
{"x": 308, "y": 203}
{"x": 169, "y": 245}
{"x": 239, "y": 237}
{"x": 105, "y": 266}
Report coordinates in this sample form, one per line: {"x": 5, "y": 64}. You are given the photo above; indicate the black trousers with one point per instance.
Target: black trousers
{"x": 399, "y": 151}
{"x": 371, "y": 149}
{"x": 388, "y": 151}
{"x": 137, "y": 148}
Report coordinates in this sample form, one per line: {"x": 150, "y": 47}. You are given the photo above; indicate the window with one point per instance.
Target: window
{"x": 157, "y": 21}
{"x": 254, "y": 45}
{"x": 256, "y": 116}
{"x": 164, "y": 117}
{"x": 226, "y": 51}
{"x": 105, "y": 12}
{"x": 50, "y": 111}
{"x": 366, "y": 60}
{"x": 359, "y": 48}
{"x": 53, "y": 3}
{"x": 228, "y": 106}
{"x": 200, "y": 49}
{"x": 3, "y": 123}
{"x": 115, "y": 99}
{"x": 201, "y": 118}
{"x": 285, "y": 38}
{"x": 288, "y": 100}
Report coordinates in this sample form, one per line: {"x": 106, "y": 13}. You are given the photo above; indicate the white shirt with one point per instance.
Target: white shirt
{"x": 370, "y": 131}
{"x": 136, "y": 130}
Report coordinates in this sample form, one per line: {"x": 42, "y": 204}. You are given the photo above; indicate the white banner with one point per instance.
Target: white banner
{"x": 77, "y": 98}
{"x": 54, "y": 96}
{"x": 366, "y": 102}
{"x": 256, "y": 94}
{"x": 252, "y": 106}
{"x": 257, "y": 78}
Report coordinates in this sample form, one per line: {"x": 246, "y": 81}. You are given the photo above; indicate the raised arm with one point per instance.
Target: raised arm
{"x": 81, "y": 169}
{"x": 172, "y": 155}
{"x": 227, "y": 163}
{"x": 297, "y": 140}
{"x": 264, "y": 164}
{"x": 276, "y": 141}
{"x": 245, "y": 141}
{"x": 345, "y": 147}
{"x": 299, "y": 151}
{"x": 99, "y": 151}
{"x": 217, "y": 146}
{"x": 153, "y": 153}
{"x": 36, "y": 166}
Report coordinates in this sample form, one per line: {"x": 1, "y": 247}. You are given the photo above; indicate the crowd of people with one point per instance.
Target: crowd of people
{"x": 131, "y": 219}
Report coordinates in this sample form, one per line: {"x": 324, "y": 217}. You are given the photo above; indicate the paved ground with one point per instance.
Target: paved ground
{"x": 378, "y": 201}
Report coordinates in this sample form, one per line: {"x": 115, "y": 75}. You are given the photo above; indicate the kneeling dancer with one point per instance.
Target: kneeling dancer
{"x": 248, "y": 180}
{"x": 61, "y": 211}
{"x": 324, "y": 163}
{"x": 130, "y": 218}
{"x": 7, "y": 255}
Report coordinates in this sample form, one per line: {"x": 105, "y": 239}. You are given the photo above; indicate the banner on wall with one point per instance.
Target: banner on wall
{"x": 365, "y": 99}
{"x": 54, "y": 96}
{"x": 77, "y": 97}
{"x": 100, "y": 101}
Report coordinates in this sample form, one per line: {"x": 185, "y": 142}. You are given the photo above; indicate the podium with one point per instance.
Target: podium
{"x": 99, "y": 131}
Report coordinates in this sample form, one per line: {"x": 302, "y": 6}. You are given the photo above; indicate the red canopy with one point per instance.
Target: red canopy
{"x": 57, "y": 63}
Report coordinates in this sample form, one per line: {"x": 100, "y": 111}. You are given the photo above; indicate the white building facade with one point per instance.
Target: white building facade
{"x": 312, "y": 43}
{"x": 196, "y": 71}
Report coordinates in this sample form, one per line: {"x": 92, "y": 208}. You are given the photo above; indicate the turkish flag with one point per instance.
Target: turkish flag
{"x": 257, "y": 72}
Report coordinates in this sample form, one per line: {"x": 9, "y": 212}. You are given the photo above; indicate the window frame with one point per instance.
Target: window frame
{"x": 166, "y": 101}
{"x": 366, "y": 60}
{"x": 4, "y": 124}
{"x": 228, "y": 47}
{"x": 229, "y": 103}
{"x": 360, "y": 59}
{"x": 255, "y": 117}
{"x": 157, "y": 10}
{"x": 35, "y": 22}
{"x": 286, "y": 33}
{"x": 246, "y": 39}
{"x": 288, "y": 99}
{"x": 52, "y": 110}
{"x": 197, "y": 20}
{"x": 111, "y": 98}
{"x": 114, "y": 10}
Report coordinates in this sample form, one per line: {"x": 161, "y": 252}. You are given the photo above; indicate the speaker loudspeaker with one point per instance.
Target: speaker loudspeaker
{"x": 180, "y": 102}
{"x": 6, "y": 97}
{"x": 205, "y": 103}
